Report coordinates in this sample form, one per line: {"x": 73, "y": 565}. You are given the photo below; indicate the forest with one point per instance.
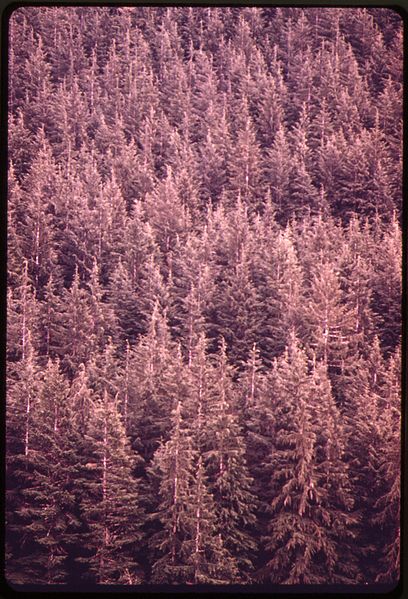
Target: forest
{"x": 203, "y": 296}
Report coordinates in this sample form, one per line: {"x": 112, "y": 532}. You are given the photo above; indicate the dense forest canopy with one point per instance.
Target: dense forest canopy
{"x": 204, "y": 295}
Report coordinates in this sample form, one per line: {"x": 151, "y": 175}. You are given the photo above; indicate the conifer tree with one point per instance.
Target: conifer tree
{"x": 223, "y": 449}
{"x": 175, "y": 90}
{"x": 310, "y": 529}
{"x": 140, "y": 242}
{"x": 250, "y": 383}
{"x": 356, "y": 274}
{"x": 136, "y": 274}
{"x": 77, "y": 329}
{"x": 389, "y": 111}
{"x": 277, "y": 167}
{"x": 244, "y": 168}
{"x": 123, "y": 300}
{"x": 167, "y": 215}
{"x": 294, "y": 537}
{"x": 21, "y": 146}
{"x": 213, "y": 152}
{"x": 37, "y": 84}
{"x": 22, "y": 399}
{"x": 102, "y": 315}
{"x": 386, "y": 285}
{"x": 156, "y": 376}
{"x": 278, "y": 278}
{"x": 15, "y": 236}
{"x": 83, "y": 398}
{"x": 108, "y": 218}
{"x": 235, "y": 312}
{"x": 200, "y": 372}
{"x": 258, "y": 423}
{"x": 191, "y": 550}
{"x": 22, "y": 314}
{"x": 271, "y": 116}
{"x": 77, "y": 236}
{"x": 70, "y": 115}
{"x": 49, "y": 509}
{"x": 361, "y": 417}
{"x": 102, "y": 370}
{"x": 332, "y": 326}
{"x": 110, "y": 502}
{"x": 187, "y": 174}
{"x": 208, "y": 560}
{"x": 388, "y": 504}
{"x": 195, "y": 323}
{"x": 205, "y": 94}
{"x": 151, "y": 290}
{"x": 173, "y": 465}
{"x": 190, "y": 285}
{"x": 43, "y": 465}
{"x": 321, "y": 129}
{"x": 40, "y": 187}
{"x": 49, "y": 319}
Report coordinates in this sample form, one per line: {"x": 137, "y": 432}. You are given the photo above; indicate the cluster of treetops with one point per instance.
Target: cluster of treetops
{"x": 204, "y": 295}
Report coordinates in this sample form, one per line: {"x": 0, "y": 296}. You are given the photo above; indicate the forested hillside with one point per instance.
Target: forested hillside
{"x": 204, "y": 288}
